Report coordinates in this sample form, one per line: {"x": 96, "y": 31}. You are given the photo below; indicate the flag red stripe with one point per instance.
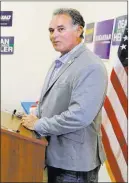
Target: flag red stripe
{"x": 116, "y": 127}
{"x": 111, "y": 158}
{"x": 120, "y": 92}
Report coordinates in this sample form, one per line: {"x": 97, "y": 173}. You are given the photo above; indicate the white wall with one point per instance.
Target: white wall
{"x": 22, "y": 74}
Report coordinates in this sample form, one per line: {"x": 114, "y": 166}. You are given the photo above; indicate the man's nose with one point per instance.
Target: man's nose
{"x": 55, "y": 34}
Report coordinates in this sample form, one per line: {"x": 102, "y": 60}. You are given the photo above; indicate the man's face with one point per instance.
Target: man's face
{"x": 63, "y": 34}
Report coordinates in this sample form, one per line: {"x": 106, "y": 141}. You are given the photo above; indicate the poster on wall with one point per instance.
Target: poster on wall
{"x": 6, "y": 18}
{"x": 119, "y": 28}
{"x": 89, "y": 33}
{"x": 103, "y": 38}
{"x": 6, "y": 45}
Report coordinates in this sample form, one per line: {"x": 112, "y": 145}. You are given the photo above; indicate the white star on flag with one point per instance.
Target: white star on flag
{"x": 125, "y": 38}
{"x": 123, "y": 46}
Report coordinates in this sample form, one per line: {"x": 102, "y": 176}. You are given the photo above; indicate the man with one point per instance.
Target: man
{"x": 69, "y": 109}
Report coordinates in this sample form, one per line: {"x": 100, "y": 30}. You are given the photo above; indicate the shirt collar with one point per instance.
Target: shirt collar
{"x": 65, "y": 57}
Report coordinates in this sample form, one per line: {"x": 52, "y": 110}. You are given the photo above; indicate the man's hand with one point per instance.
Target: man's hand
{"x": 29, "y": 120}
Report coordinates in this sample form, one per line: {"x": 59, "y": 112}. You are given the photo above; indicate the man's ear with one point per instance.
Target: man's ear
{"x": 79, "y": 30}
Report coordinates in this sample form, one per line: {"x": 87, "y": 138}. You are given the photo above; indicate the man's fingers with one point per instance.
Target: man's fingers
{"x": 24, "y": 116}
{"x": 23, "y": 121}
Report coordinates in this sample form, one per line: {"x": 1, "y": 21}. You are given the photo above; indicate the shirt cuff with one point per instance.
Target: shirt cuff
{"x": 38, "y": 127}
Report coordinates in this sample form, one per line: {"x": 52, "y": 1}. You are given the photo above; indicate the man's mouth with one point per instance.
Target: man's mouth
{"x": 56, "y": 42}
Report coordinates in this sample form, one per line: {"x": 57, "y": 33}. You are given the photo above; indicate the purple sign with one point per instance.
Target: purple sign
{"x": 6, "y": 18}
{"x": 120, "y": 25}
{"x": 6, "y": 45}
{"x": 103, "y": 38}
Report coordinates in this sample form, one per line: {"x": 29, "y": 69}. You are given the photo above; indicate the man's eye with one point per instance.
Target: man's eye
{"x": 61, "y": 29}
{"x": 51, "y": 30}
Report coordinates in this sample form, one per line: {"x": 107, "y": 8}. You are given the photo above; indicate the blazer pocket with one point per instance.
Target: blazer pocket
{"x": 77, "y": 136}
{"x": 60, "y": 85}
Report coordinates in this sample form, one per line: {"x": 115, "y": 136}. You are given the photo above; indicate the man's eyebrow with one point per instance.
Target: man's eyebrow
{"x": 59, "y": 26}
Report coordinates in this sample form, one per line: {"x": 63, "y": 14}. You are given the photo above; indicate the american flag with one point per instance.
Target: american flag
{"x": 115, "y": 114}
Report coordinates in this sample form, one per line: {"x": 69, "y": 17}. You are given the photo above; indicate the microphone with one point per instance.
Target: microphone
{"x": 17, "y": 115}
{"x": 14, "y": 112}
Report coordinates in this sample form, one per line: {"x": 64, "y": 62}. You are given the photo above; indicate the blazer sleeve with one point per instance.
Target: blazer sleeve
{"x": 88, "y": 91}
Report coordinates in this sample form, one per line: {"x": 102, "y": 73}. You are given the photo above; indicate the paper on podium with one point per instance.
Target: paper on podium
{"x": 27, "y": 106}
{"x": 9, "y": 122}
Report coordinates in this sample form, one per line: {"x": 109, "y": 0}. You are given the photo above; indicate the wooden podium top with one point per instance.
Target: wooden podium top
{"x": 12, "y": 125}
{"x": 22, "y": 154}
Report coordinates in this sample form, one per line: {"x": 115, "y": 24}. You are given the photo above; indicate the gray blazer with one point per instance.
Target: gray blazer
{"x": 70, "y": 112}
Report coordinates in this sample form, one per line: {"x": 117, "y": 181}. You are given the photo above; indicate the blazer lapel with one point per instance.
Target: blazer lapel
{"x": 65, "y": 66}
{"x": 46, "y": 82}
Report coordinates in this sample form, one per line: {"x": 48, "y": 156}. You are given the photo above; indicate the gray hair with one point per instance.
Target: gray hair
{"x": 77, "y": 18}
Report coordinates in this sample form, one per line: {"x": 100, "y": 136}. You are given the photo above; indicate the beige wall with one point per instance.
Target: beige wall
{"x": 22, "y": 74}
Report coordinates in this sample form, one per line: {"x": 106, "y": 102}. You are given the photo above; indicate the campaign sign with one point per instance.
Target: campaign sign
{"x": 89, "y": 33}
{"x": 6, "y": 45}
{"x": 103, "y": 38}
{"x": 120, "y": 25}
{"x": 6, "y": 18}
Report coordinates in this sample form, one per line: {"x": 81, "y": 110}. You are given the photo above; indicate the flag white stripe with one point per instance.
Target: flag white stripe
{"x": 121, "y": 74}
{"x": 114, "y": 145}
{"x": 118, "y": 109}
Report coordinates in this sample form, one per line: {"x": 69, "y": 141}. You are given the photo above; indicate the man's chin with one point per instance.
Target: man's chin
{"x": 57, "y": 49}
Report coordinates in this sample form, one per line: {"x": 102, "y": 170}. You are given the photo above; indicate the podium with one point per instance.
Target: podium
{"x": 22, "y": 154}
